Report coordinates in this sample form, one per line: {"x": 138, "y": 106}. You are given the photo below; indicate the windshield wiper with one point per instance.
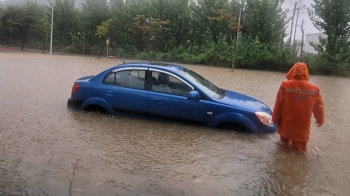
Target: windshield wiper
{"x": 223, "y": 93}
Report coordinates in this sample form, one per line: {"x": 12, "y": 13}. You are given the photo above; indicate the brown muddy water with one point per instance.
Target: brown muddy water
{"x": 48, "y": 149}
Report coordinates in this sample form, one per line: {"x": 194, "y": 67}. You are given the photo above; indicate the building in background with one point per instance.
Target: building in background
{"x": 312, "y": 37}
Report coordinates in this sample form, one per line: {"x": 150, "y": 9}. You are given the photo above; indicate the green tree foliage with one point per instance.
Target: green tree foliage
{"x": 265, "y": 20}
{"x": 43, "y": 27}
{"x": 20, "y": 20}
{"x": 65, "y": 21}
{"x": 40, "y": 2}
{"x": 120, "y": 24}
{"x": 93, "y": 13}
{"x": 190, "y": 31}
{"x": 150, "y": 29}
{"x": 103, "y": 29}
{"x": 7, "y": 18}
{"x": 333, "y": 19}
{"x": 2, "y": 28}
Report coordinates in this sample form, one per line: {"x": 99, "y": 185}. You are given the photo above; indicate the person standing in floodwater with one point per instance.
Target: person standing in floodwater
{"x": 297, "y": 99}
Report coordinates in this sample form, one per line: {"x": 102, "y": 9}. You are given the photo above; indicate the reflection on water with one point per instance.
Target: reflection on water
{"x": 48, "y": 149}
{"x": 285, "y": 173}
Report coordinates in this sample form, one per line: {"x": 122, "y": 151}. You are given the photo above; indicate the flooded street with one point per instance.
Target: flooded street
{"x": 48, "y": 149}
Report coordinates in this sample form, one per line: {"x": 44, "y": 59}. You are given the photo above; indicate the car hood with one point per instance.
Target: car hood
{"x": 244, "y": 102}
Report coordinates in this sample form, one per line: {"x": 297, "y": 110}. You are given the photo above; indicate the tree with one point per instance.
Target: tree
{"x": 119, "y": 35}
{"x": 201, "y": 11}
{"x": 65, "y": 21}
{"x": 2, "y": 32}
{"x": 43, "y": 27}
{"x": 20, "y": 19}
{"x": 228, "y": 20}
{"x": 185, "y": 4}
{"x": 333, "y": 19}
{"x": 102, "y": 30}
{"x": 223, "y": 16}
{"x": 266, "y": 20}
{"x": 92, "y": 14}
{"x": 148, "y": 28}
{"x": 7, "y": 21}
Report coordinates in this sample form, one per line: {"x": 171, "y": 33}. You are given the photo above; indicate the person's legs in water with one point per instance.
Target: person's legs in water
{"x": 285, "y": 140}
{"x": 297, "y": 145}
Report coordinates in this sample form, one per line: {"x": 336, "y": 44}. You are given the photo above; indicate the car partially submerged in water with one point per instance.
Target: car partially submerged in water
{"x": 169, "y": 91}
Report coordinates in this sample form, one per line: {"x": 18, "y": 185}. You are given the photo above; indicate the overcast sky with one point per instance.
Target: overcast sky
{"x": 303, "y": 15}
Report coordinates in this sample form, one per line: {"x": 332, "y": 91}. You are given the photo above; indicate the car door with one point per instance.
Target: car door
{"x": 125, "y": 91}
{"x": 167, "y": 97}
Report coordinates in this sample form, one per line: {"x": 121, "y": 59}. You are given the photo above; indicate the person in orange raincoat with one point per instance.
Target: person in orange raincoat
{"x": 296, "y": 101}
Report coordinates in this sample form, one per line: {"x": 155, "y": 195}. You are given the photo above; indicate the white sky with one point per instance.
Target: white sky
{"x": 308, "y": 26}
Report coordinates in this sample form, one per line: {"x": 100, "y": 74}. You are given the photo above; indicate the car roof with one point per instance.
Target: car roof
{"x": 156, "y": 65}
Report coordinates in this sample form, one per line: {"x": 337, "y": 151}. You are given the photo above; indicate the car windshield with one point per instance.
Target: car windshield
{"x": 203, "y": 84}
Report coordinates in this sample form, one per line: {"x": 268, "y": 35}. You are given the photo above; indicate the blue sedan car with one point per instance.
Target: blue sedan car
{"x": 169, "y": 91}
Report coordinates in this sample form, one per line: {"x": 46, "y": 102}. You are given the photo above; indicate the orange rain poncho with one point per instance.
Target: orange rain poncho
{"x": 296, "y": 100}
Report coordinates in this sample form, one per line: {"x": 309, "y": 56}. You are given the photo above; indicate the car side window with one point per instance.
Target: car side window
{"x": 109, "y": 80}
{"x": 131, "y": 79}
{"x": 165, "y": 83}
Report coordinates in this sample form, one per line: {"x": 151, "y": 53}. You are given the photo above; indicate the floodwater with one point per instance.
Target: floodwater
{"x": 48, "y": 149}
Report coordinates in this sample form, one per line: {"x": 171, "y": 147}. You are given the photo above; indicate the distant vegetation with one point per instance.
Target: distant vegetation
{"x": 40, "y": 2}
{"x": 190, "y": 31}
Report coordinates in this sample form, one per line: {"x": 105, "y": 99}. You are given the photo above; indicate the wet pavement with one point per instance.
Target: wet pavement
{"x": 48, "y": 149}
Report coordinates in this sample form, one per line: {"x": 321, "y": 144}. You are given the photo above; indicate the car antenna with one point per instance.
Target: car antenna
{"x": 121, "y": 60}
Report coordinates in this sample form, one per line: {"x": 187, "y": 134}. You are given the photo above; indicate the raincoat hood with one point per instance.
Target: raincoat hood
{"x": 299, "y": 71}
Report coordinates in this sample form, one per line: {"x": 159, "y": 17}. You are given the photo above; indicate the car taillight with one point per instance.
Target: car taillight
{"x": 75, "y": 88}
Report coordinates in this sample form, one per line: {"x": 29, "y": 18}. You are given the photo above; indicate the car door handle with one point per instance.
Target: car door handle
{"x": 109, "y": 93}
{"x": 157, "y": 100}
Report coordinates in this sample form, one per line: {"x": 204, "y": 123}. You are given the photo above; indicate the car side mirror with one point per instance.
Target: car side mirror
{"x": 193, "y": 95}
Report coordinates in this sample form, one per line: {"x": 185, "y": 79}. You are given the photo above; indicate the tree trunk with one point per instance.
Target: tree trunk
{"x": 183, "y": 26}
{"x": 296, "y": 25}
{"x": 330, "y": 43}
{"x": 44, "y": 44}
{"x": 291, "y": 27}
{"x": 99, "y": 45}
{"x": 295, "y": 32}
{"x": 302, "y": 38}
{"x": 22, "y": 44}
{"x": 149, "y": 52}
{"x": 233, "y": 59}
{"x": 22, "y": 39}
{"x": 161, "y": 9}
{"x": 8, "y": 38}
{"x": 213, "y": 61}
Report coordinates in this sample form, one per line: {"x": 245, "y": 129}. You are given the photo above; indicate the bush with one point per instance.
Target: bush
{"x": 68, "y": 49}
{"x": 164, "y": 57}
{"x": 143, "y": 56}
{"x": 189, "y": 58}
{"x": 119, "y": 52}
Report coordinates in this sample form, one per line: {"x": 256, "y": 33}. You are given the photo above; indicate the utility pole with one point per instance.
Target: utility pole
{"x": 302, "y": 38}
{"x": 107, "y": 43}
{"x": 51, "y": 27}
{"x": 295, "y": 32}
{"x": 291, "y": 27}
{"x": 296, "y": 24}
{"x": 99, "y": 45}
{"x": 239, "y": 23}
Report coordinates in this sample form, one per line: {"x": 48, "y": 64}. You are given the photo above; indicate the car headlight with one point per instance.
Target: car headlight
{"x": 264, "y": 117}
